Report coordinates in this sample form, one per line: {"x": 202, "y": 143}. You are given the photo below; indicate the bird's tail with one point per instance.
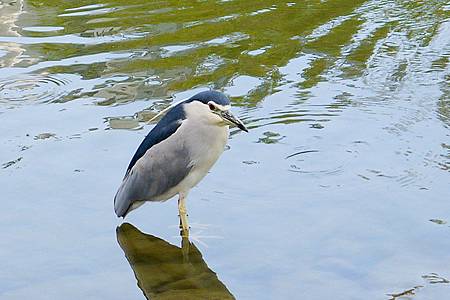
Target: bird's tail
{"x": 122, "y": 202}
{"x": 127, "y": 199}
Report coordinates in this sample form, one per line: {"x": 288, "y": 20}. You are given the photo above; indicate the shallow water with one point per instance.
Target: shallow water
{"x": 339, "y": 191}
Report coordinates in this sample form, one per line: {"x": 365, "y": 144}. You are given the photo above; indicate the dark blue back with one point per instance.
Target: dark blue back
{"x": 165, "y": 128}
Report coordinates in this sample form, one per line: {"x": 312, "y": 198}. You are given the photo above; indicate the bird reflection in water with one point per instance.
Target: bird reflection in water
{"x": 165, "y": 271}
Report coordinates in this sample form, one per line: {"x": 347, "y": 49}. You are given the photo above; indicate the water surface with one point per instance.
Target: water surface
{"x": 339, "y": 191}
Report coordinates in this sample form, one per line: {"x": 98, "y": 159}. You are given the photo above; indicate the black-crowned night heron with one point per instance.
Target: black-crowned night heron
{"x": 177, "y": 153}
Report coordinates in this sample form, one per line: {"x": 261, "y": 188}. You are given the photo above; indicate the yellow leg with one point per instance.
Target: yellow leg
{"x": 184, "y": 226}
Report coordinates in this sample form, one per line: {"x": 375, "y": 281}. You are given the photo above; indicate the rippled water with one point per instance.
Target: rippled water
{"x": 340, "y": 190}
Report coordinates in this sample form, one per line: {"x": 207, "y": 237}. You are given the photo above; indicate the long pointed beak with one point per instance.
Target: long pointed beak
{"x": 228, "y": 116}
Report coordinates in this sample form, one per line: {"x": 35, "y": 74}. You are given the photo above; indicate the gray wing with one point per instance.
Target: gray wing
{"x": 161, "y": 168}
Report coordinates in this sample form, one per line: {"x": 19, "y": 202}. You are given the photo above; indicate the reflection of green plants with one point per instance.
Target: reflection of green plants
{"x": 270, "y": 137}
{"x": 206, "y": 43}
{"x": 239, "y": 27}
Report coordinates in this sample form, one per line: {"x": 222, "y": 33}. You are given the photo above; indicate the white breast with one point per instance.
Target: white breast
{"x": 205, "y": 139}
{"x": 205, "y": 146}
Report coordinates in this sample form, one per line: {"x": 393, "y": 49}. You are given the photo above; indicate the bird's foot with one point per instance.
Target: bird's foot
{"x": 183, "y": 217}
{"x": 184, "y": 226}
{"x": 184, "y": 233}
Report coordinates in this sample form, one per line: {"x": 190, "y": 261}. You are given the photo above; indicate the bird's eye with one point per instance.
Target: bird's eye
{"x": 211, "y": 106}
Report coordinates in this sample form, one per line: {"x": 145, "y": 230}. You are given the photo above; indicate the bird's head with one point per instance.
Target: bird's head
{"x": 215, "y": 107}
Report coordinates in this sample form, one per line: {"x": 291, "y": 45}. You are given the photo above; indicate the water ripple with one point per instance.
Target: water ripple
{"x": 33, "y": 88}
